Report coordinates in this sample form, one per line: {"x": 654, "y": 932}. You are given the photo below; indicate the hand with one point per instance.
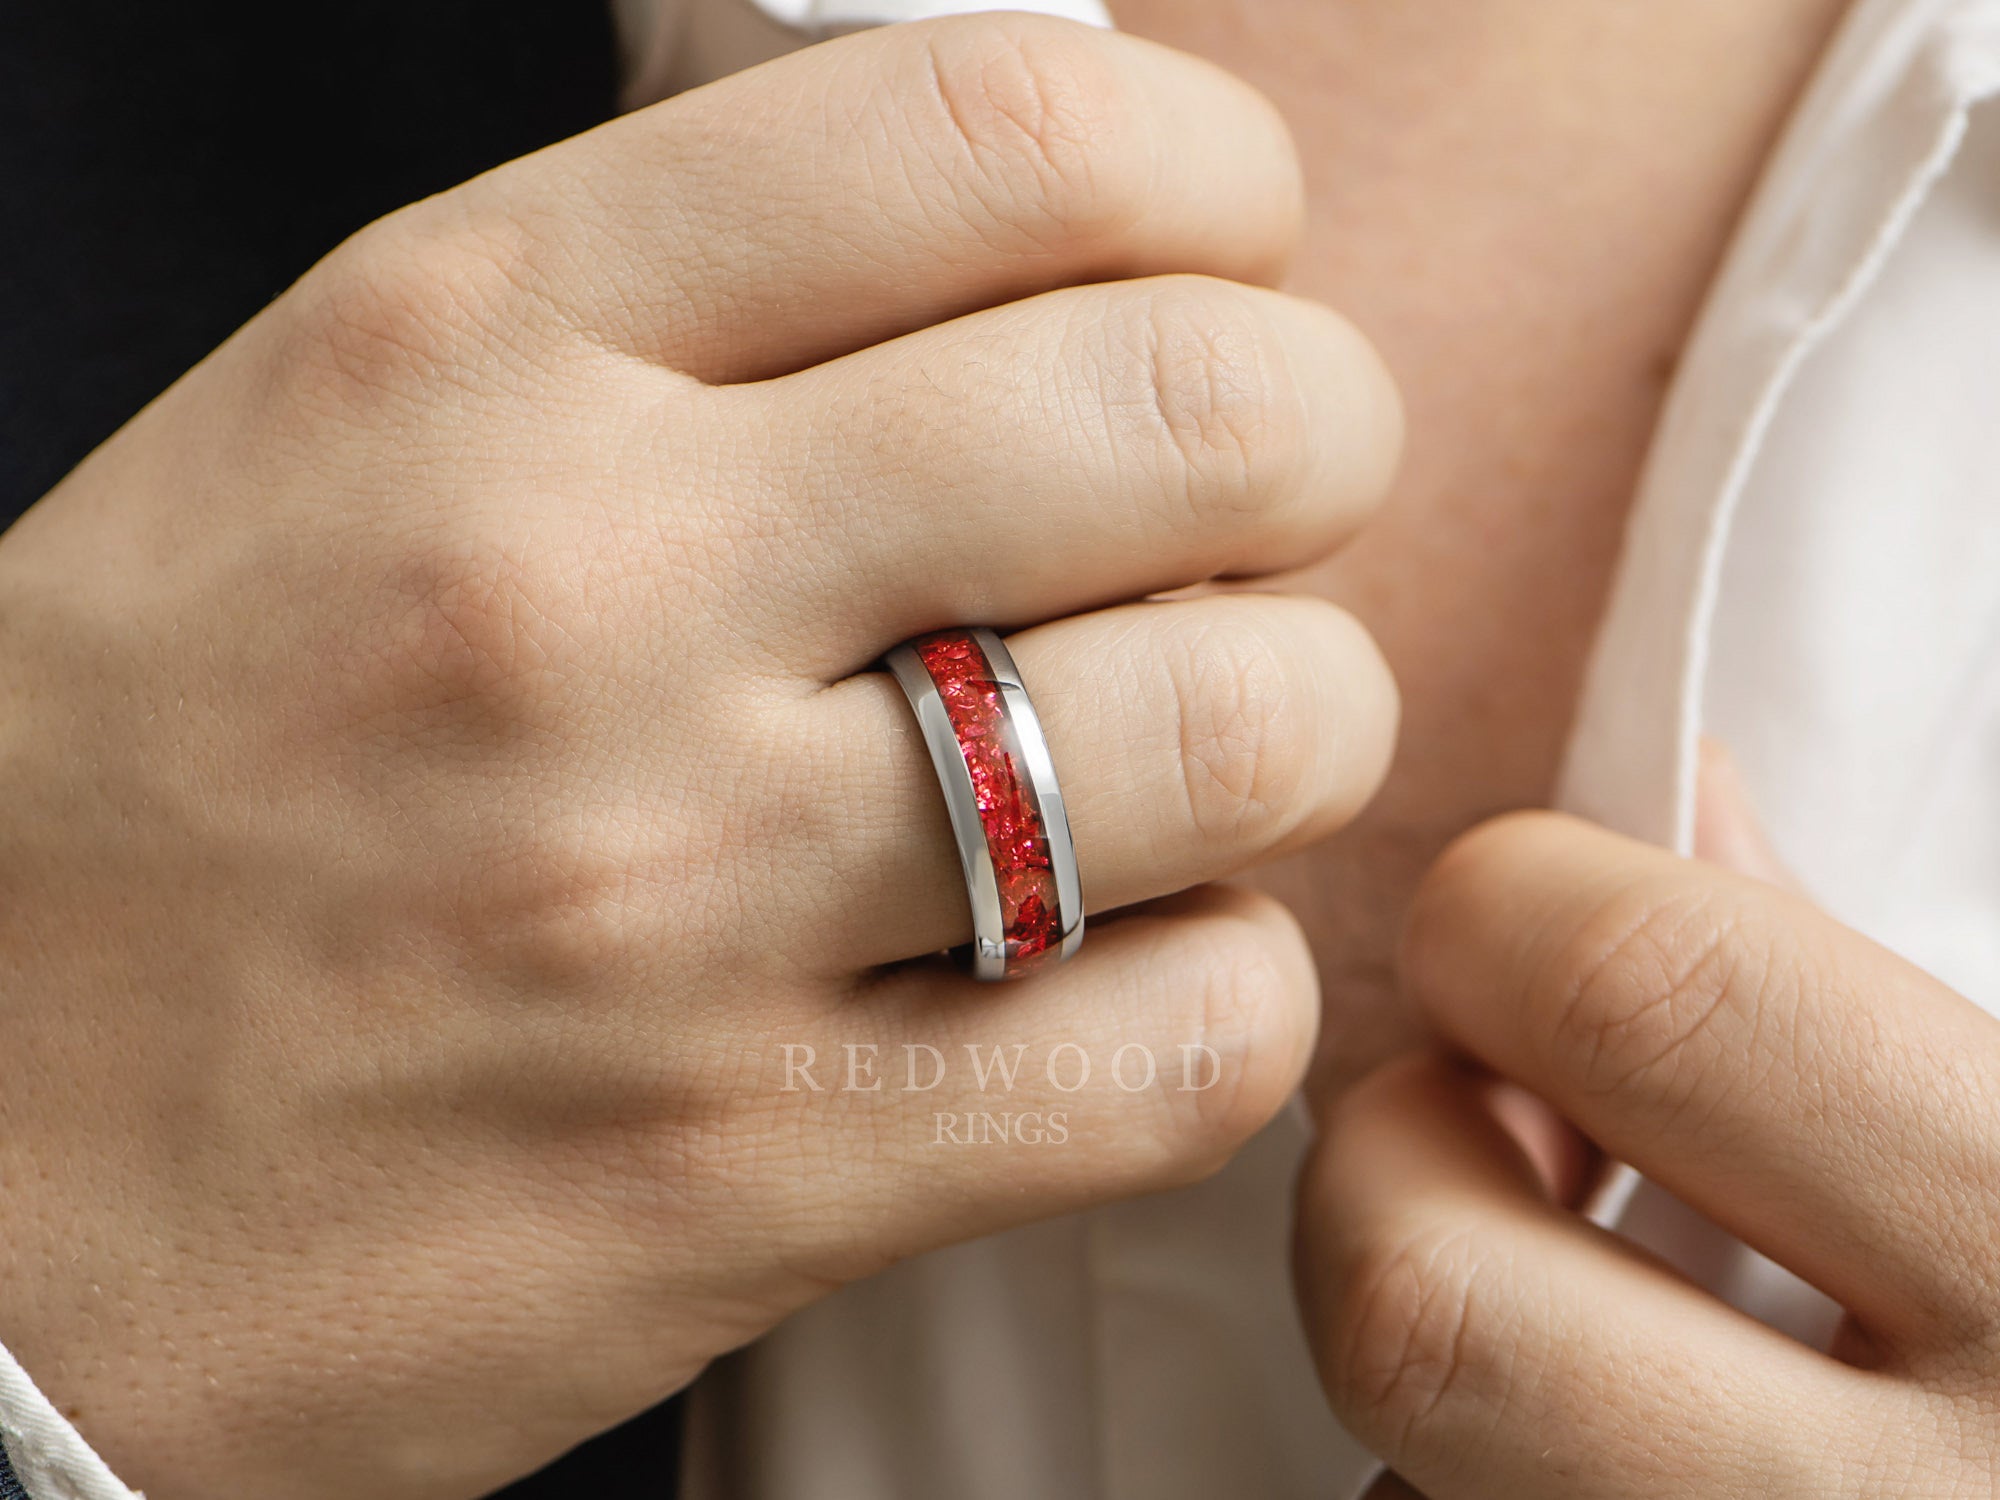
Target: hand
{"x": 440, "y": 776}
{"x": 1805, "y": 1089}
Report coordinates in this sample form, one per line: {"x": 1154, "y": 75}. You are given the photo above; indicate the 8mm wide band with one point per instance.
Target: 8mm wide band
{"x": 1000, "y": 789}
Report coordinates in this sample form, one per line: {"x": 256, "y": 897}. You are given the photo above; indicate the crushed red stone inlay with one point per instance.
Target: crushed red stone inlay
{"x": 1014, "y": 835}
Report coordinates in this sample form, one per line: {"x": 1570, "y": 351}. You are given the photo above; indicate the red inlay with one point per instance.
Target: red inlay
{"x": 1014, "y": 836}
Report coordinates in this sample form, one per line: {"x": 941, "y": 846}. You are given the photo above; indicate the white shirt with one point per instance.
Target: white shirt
{"x": 1812, "y": 572}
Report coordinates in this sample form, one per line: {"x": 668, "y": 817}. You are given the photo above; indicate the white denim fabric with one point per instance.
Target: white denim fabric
{"x": 1812, "y": 572}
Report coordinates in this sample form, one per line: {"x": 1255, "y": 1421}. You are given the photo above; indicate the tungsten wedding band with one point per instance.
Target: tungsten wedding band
{"x": 1000, "y": 790}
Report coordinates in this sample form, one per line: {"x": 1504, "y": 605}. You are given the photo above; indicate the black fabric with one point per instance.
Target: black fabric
{"x": 638, "y": 1461}
{"x": 167, "y": 169}
{"x": 10, "y": 1483}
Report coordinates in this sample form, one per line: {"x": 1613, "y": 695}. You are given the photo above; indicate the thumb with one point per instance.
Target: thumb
{"x": 1727, "y": 831}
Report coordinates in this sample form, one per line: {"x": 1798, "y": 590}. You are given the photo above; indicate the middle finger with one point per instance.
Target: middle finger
{"x": 1069, "y": 451}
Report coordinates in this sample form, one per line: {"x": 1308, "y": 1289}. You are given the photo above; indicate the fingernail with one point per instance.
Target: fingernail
{"x": 1563, "y": 1160}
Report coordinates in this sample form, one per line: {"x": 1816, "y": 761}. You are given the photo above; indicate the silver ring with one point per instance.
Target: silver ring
{"x": 1000, "y": 790}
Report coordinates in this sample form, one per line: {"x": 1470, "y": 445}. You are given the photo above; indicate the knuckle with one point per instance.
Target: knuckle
{"x": 475, "y": 633}
{"x": 552, "y": 916}
{"x": 1030, "y": 124}
{"x": 1408, "y": 1328}
{"x": 1215, "y": 396}
{"x": 1245, "y": 747}
{"x": 1647, "y": 993}
{"x": 1965, "y": 1421}
{"x": 401, "y": 310}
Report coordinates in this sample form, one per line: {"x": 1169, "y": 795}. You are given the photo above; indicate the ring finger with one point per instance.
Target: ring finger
{"x": 1192, "y": 737}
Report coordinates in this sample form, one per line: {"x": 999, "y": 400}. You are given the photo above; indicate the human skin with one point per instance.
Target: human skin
{"x": 1811, "y": 1092}
{"x": 1599, "y": 154}
{"x": 441, "y": 778}
{"x": 1522, "y": 202}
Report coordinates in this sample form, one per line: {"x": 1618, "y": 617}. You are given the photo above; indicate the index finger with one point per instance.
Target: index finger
{"x": 1808, "y": 1090}
{"x": 891, "y": 179}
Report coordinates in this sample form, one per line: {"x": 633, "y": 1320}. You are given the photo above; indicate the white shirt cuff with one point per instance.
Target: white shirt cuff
{"x": 50, "y": 1458}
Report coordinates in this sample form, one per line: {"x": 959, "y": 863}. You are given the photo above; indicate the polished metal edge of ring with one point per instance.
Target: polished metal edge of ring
{"x": 987, "y": 957}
